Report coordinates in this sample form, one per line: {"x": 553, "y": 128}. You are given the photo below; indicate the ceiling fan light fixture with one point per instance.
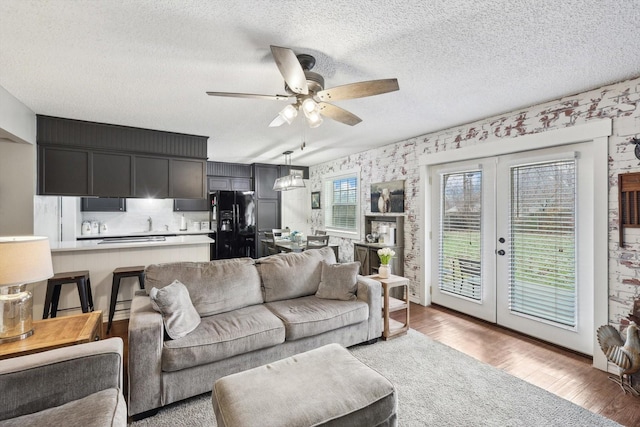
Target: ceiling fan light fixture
{"x": 309, "y": 106}
{"x": 288, "y": 113}
{"x": 314, "y": 120}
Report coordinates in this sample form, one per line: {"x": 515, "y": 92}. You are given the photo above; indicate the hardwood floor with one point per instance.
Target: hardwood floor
{"x": 559, "y": 371}
{"x": 564, "y": 373}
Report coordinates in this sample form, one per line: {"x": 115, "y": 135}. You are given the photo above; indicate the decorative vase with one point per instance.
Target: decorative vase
{"x": 384, "y": 271}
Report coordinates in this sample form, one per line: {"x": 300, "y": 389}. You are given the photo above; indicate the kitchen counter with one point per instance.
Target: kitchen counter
{"x": 97, "y": 245}
{"x": 145, "y": 233}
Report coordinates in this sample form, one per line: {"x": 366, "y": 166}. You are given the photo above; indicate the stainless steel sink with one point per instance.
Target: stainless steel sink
{"x": 132, "y": 239}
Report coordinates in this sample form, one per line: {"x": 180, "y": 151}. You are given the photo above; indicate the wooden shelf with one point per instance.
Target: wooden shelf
{"x": 395, "y": 304}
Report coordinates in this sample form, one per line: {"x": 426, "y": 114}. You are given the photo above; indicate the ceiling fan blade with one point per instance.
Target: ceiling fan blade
{"x": 290, "y": 69}
{"x": 251, "y": 95}
{"x": 338, "y": 114}
{"x": 359, "y": 90}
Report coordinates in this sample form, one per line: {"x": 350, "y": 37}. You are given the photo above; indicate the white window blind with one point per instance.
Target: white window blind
{"x": 542, "y": 261}
{"x": 460, "y": 246}
{"x": 341, "y": 203}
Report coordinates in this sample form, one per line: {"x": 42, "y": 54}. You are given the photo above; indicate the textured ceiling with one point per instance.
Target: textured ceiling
{"x": 148, "y": 63}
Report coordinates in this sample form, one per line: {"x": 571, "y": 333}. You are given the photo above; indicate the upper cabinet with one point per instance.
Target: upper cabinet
{"x": 265, "y": 176}
{"x": 63, "y": 172}
{"x": 229, "y": 176}
{"x": 103, "y": 204}
{"x": 77, "y": 158}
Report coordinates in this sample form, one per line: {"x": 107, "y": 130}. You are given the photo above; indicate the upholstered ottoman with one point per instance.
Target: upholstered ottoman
{"x": 326, "y": 386}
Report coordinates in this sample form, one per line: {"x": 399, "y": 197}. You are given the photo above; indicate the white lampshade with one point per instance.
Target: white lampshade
{"x": 24, "y": 259}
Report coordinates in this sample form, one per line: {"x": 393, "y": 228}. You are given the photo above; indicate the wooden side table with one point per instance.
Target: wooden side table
{"x": 55, "y": 333}
{"x": 392, "y": 328}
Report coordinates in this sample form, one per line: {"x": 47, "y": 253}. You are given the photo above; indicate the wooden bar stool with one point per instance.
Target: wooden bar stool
{"x": 118, "y": 274}
{"x": 54, "y": 284}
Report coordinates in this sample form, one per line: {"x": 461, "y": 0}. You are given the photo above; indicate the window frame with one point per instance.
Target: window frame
{"x": 327, "y": 203}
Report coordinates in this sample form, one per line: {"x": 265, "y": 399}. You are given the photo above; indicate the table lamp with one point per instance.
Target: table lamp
{"x": 23, "y": 259}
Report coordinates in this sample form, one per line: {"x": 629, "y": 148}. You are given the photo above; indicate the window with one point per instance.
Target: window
{"x": 542, "y": 265}
{"x": 341, "y": 203}
{"x": 460, "y": 248}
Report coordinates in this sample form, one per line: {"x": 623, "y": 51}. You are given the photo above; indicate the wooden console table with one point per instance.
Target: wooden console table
{"x": 392, "y": 328}
{"x": 55, "y": 333}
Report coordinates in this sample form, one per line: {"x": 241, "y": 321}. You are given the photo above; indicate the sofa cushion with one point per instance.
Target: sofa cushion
{"x": 339, "y": 281}
{"x": 178, "y": 313}
{"x": 224, "y": 335}
{"x": 214, "y": 286}
{"x": 309, "y": 316}
{"x": 294, "y": 274}
{"x": 104, "y": 408}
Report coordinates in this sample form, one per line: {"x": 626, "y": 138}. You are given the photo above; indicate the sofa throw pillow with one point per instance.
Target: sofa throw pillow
{"x": 178, "y": 313}
{"x": 339, "y": 281}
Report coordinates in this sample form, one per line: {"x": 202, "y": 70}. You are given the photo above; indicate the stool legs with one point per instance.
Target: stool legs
{"x": 115, "y": 287}
{"x": 47, "y": 301}
{"x": 84, "y": 291}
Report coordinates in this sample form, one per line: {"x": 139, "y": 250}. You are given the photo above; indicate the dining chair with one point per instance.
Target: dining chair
{"x": 320, "y": 233}
{"x": 314, "y": 242}
{"x": 271, "y": 243}
{"x": 277, "y": 233}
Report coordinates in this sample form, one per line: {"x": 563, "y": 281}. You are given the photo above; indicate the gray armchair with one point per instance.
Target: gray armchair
{"x": 79, "y": 385}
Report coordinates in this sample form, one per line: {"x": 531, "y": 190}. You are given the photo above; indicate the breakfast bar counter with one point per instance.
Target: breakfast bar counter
{"x": 110, "y": 242}
{"x": 101, "y": 257}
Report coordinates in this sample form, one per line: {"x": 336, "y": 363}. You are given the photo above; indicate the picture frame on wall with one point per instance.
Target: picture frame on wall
{"x": 315, "y": 200}
{"x": 387, "y": 197}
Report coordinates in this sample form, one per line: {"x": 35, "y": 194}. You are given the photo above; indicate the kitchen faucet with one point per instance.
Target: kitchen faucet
{"x": 150, "y": 221}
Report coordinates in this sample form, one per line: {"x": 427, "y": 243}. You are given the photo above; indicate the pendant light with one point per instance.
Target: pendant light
{"x": 293, "y": 180}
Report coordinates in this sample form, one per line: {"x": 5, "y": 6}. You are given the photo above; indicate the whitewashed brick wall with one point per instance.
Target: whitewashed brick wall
{"x": 399, "y": 161}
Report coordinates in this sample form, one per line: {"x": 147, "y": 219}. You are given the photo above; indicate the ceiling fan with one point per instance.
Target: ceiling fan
{"x": 306, "y": 89}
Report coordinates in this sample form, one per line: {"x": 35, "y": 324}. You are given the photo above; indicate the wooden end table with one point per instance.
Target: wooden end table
{"x": 393, "y": 328}
{"x": 55, "y": 333}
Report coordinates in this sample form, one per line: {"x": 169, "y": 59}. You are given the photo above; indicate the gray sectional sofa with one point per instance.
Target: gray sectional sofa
{"x": 244, "y": 313}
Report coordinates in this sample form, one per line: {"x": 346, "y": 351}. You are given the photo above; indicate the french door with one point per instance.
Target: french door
{"x": 513, "y": 242}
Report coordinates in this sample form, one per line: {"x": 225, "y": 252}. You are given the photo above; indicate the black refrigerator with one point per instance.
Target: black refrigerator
{"x": 234, "y": 212}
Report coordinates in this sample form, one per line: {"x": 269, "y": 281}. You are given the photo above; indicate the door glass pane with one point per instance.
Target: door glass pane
{"x": 542, "y": 262}
{"x": 460, "y": 245}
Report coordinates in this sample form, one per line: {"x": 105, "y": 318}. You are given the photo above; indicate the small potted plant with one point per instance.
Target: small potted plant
{"x": 385, "y": 255}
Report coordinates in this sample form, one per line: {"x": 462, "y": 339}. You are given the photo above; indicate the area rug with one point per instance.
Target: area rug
{"x": 437, "y": 386}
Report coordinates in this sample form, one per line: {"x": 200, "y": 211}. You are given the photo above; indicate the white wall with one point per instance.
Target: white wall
{"x": 17, "y": 121}
{"x": 17, "y": 165}
{"x": 296, "y": 209}
{"x": 17, "y": 187}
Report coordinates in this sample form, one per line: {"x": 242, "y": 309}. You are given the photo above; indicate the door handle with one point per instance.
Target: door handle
{"x": 501, "y": 252}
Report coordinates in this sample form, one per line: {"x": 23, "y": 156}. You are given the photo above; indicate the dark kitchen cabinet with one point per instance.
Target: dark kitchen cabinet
{"x": 159, "y": 177}
{"x": 267, "y": 218}
{"x": 224, "y": 183}
{"x": 268, "y": 215}
{"x": 79, "y": 158}
{"x": 188, "y": 179}
{"x": 190, "y": 205}
{"x": 63, "y": 172}
{"x": 265, "y": 176}
{"x": 103, "y": 204}
{"x": 151, "y": 177}
{"x": 112, "y": 175}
